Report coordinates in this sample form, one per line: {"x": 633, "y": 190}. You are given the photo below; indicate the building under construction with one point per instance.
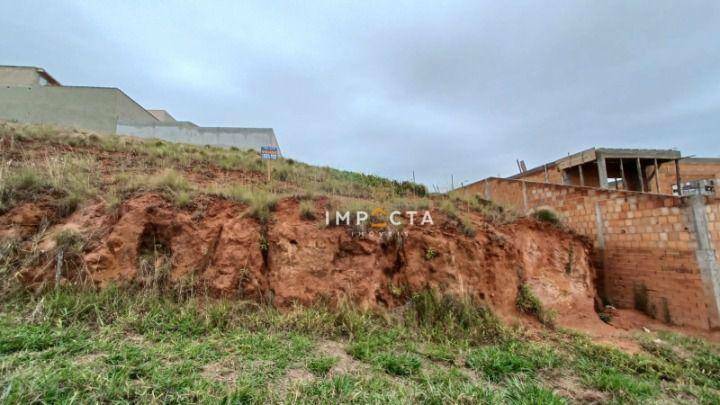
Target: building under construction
{"x": 662, "y": 171}
{"x": 653, "y": 217}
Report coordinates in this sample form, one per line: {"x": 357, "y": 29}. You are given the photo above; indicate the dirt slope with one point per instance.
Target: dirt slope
{"x": 292, "y": 260}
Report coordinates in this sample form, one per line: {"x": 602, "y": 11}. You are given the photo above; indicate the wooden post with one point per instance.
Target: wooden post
{"x": 582, "y": 178}
{"x": 622, "y": 174}
{"x": 677, "y": 177}
{"x": 640, "y": 174}
{"x": 657, "y": 181}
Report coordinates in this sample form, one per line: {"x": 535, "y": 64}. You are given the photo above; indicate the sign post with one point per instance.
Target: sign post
{"x": 268, "y": 153}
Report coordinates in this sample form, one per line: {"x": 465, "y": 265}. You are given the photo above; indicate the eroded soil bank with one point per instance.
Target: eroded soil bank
{"x": 215, "y": 246}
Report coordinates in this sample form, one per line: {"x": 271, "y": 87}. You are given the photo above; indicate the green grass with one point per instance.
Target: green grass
{"x": 399, "y": 364}
{"x": 622, "y": 386}
{"x": 321, "y": 365}
{"x": 157, "y": 154}
{"x": 136, "y": 345}
{"x": 499, "y": 362}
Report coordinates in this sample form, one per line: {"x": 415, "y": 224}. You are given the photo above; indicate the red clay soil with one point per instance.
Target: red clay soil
{"x": 294, "y": 260}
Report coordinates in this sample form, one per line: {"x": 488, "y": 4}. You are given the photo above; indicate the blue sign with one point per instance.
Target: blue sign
{"x": 269, "y": 152}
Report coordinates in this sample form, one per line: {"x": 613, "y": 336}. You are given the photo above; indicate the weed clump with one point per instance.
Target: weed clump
{"x": 307, "y": 210}
{"x": 527, "y": 302}
{"x": 440, "y": 316}
{"x": 488, "y": 209}
{"x": 462, "y": 222}
{"x": 69, "y": 247}
{"x": 22, "y": 184}
{"x": 546, "y": 215}
{"x": 261, "y": 203}
{"x": 399, "y": 364}
{"x": 322, "y": 365}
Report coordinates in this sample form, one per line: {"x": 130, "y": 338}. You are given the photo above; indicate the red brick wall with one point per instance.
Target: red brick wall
{"x": 553, "y": 175}
{"x": 648, "y": 260}
{"x": 689, "y": 170}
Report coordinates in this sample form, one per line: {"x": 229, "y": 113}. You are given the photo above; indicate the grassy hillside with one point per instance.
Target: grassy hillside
{"x": 141, "y": 343}
{"x": 117, "y": 345}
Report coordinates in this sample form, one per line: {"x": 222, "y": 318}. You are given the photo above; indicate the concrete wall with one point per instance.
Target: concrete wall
{"x": 109, "y": 110}
{"x": 656, "y": 253}
{"x": 185, "y": 132}
{"x": 91, "y": 108}
{"x": 18, "y": 76}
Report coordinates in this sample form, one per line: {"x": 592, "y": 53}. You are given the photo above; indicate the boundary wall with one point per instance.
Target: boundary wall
{"x": 187, "y": 132}
{"x": 655, "y": 253}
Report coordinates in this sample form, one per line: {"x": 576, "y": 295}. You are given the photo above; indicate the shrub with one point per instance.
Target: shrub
{"x": 545, "y": 215}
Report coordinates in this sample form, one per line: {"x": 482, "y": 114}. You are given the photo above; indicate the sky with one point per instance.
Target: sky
{"x": 443, "y": 89}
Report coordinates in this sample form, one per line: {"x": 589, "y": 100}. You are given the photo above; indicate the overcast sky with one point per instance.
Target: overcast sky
{"x": 441, "y": 88}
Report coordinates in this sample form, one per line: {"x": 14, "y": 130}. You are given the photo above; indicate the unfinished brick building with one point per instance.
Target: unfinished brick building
{"x": 655, "y": 251}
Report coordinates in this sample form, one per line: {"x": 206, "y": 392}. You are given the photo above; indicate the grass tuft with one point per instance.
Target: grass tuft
{"x": 529, "y": 303}
{"x": 322, "y": 365}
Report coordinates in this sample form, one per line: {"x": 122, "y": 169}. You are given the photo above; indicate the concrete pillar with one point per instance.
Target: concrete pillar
{"x": 705, "y": 255}
{"x": 488, "y": 195}
{"x": 525, "y": 199}
{"x": 565, "y": 177}
{"x": 602, "y": 171}
{"x": 599, "y": 225}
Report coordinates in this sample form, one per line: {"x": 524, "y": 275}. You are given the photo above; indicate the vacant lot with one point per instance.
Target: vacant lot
{"x": 134, "y": 346}
{"x": 166, "y": 229}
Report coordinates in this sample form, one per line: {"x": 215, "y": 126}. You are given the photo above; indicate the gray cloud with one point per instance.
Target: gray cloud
{"x": 441, "y": 88}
